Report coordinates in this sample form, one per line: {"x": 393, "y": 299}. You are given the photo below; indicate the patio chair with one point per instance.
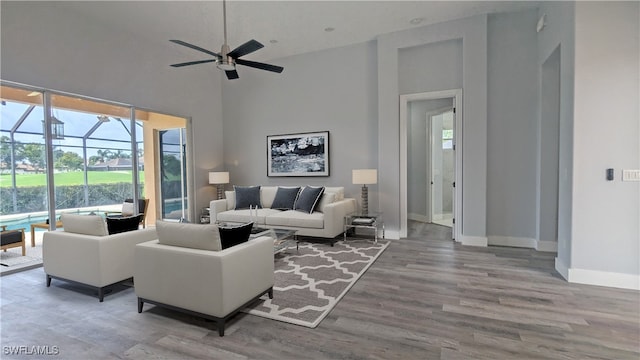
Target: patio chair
{"x": 12, "y": 239}
{"x": 127, "y": 210}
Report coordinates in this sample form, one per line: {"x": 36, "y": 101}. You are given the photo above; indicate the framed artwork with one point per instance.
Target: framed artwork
{"x": 304, "y": 154}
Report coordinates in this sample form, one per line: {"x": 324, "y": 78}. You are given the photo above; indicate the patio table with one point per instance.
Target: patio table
{"x": 42, "y": 225}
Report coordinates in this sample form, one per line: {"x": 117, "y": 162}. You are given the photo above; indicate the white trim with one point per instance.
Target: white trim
{"x": 473, "y": 240}
{"x": 539, "y": 245}
{"x": 547, "y": 246}
{"x": 512, "y": 241}
{"x": 604, "y": 278}
{"x": 562, "y": 268}
{"x": 392, "y": 234}
{"x": 418, "y": 217}
{"x": 456, "y": 94}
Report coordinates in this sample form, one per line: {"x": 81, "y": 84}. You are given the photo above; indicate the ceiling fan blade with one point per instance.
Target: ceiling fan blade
{"x": 193, "y": 63}
{"x": 258, "y": 65}
{"x": 232, "y": 74}
{"x": 180, "y": 42}
{"x": 246, "y": 48}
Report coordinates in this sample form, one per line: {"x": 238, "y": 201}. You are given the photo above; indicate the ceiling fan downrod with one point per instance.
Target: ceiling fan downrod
{"x": 226, "y": 62}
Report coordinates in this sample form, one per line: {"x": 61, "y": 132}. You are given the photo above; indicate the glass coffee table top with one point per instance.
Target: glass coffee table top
{"x": 283, "y": 238}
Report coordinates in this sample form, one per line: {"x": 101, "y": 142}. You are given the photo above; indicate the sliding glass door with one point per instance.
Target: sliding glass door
{"x": 66, "y": 153}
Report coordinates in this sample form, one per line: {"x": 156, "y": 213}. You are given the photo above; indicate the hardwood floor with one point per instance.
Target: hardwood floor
{"x": 426, "y": 297}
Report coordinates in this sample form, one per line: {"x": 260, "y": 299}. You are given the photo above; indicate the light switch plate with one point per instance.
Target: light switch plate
{"x": 630, "y": 175}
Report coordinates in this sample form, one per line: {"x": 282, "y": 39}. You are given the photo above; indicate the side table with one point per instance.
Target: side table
{"x": 42, "y": 225}
{"x": 372, "y": 220}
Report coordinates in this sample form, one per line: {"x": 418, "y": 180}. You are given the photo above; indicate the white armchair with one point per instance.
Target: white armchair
{"x": 84, "y": 252}
{"x": 214, "y": 284}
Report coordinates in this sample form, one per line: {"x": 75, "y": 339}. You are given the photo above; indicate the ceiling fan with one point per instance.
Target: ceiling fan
{"x": 227, "y": 59}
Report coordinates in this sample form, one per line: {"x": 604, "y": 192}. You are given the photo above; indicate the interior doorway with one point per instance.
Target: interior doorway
{"x": 442, "y": 167}
{"x": 431, "y": 160}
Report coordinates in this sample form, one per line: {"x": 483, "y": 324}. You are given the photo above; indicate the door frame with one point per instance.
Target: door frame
{"x": 405, "y": 99}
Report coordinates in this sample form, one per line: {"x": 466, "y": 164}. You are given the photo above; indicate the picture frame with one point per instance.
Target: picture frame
{"x": 300, "y": 154}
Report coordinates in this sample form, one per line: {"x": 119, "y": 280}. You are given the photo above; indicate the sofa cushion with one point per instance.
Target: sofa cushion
{"x": 120, "y": 224}
{"x": 246, "y": 215}
{"x": 308, "y": 198}
{"x": 292, "y": 218}
{"x": 231, "y": 199}
{"x": 267, "y": 195}
{"x": 285, "y": 198}
{"x": 247, "y": 196}
{"x": 195, "y": 236}
{"x": 338, "y": 190}
{"x": 234, "y": 235}
{"x": 84, "y": 224}
{"x": 325, "y": 199}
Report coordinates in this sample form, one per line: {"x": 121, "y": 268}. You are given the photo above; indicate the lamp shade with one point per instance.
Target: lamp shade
{"x": 220, "y": 177}
{"x": 365, "y": 176}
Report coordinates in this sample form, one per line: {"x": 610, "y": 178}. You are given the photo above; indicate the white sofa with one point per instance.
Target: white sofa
{"x": 84, "y": 252}
{"x": 180, "y": 274}
{"x": 326, "y": 222}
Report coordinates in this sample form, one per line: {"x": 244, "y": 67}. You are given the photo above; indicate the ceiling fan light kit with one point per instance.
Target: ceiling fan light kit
{"x": 228, "y": 59}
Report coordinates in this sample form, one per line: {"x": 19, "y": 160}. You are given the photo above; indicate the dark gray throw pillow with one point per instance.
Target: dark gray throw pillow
{"x": 120, "y": 224}
{"x": 308, "y": 198}
{"x": 285, "y": 198}
{"x": 247, "y": 196}
{"x": 230, "y": 236}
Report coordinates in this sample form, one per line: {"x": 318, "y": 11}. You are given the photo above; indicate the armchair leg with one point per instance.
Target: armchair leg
{"x": 220, "y": 325}
{"x": 101, "y": 294}
{"x": 140, "y": 303}
{"x": 271, "y": 293}
{"x": 48, "y": 280}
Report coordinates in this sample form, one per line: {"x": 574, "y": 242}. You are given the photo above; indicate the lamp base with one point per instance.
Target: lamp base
{"x": 220, "y": 188}
{"x": 365, "y": 200}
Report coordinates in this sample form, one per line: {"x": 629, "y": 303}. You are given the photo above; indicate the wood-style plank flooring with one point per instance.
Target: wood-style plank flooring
{"x": 424, "y": 298}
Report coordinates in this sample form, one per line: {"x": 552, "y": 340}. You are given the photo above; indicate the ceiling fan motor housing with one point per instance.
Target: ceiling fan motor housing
{"x": 226, "y": 62}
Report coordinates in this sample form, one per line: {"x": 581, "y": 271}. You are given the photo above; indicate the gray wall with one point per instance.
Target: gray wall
{"x": 49, "y": 47}
{"x": 606, "y": 233}
{"x": 316, "y": 92}
{"x": 512, "y": 105}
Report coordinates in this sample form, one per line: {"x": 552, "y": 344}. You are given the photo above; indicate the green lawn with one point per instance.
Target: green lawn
{"x": 69, "y": 178}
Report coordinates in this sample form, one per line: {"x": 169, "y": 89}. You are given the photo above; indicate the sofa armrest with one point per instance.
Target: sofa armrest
{"x": 216, "y": 207}
{"x": 92, "y": 260}
{"x": 210, "y": 282}
{"x": 335, "y": 212}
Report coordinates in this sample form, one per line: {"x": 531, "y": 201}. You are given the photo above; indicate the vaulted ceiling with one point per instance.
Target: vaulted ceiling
{"x": 284, "y": 27}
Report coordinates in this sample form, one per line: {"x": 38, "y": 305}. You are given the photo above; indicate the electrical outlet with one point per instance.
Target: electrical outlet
{"x": 630, "y": 175}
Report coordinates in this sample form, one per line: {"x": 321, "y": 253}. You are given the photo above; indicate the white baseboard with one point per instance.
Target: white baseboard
{"x": 547, "y": 246}
{"x": 540, "y": 245}
{"x": 418, "y": 217}
{"x": 598, "y": 278}
{"x": 473, "y": 240}
{"x": 604, "y": 278}
{"x": 391, "y": 234}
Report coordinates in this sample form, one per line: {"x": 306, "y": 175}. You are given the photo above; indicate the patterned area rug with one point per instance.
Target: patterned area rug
{"x": 310, "y": 282}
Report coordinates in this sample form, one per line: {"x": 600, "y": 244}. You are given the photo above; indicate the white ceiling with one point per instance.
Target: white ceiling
{"x": 298, "y": 26}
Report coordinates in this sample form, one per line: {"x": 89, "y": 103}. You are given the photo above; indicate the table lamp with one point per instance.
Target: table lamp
{"x": 364, "y": 177}
{"x": 219, "y": 178}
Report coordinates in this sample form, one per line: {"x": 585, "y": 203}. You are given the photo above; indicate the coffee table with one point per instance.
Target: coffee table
{"x": 283, "y": 238}
{"x": 42, "y": 225}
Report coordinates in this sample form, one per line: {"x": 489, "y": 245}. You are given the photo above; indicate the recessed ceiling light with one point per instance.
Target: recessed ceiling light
{"x": 329, "y": 29}
{"x": 273, "y": 41}
{"x": 416, "y": 21}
